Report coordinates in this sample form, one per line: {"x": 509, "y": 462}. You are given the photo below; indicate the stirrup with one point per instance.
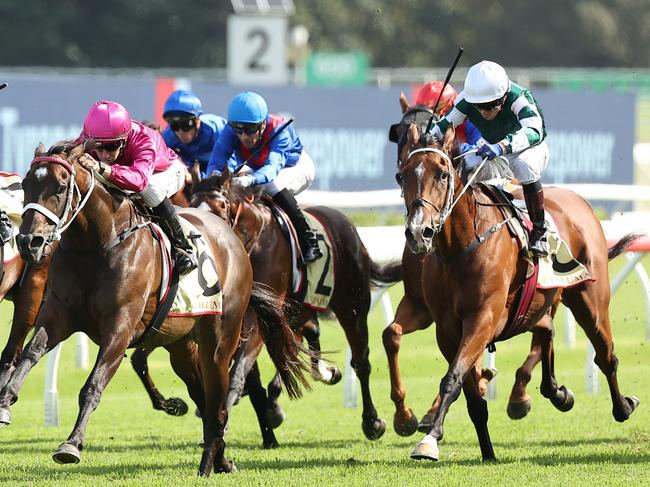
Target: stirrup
{"x": 538, "y": 247}
{"x": 185, "y": 262}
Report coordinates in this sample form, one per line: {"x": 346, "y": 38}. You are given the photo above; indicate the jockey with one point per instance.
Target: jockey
{"x": 281, "y": 166}
{"x": 512, "y": 125}
{"x": 190, "y": 132}
{"x": 428, "y": 95}
{"x": 6, "y": 228}
{"x": 135, "y": 158}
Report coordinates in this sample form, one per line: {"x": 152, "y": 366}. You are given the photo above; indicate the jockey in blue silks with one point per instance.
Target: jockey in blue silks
{"x": 190, "y": 132}
{"x": 275, "y": 159}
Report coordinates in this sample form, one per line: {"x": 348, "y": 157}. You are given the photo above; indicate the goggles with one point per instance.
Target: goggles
{"x": 245, "y": 128}
{"x": 109, "y": 146}
{"x": 489, "y": 106}
{"x": 184, "y": 125}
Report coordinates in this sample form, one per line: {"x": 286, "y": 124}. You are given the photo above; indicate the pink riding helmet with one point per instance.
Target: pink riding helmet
{"x": 107, "y": 121}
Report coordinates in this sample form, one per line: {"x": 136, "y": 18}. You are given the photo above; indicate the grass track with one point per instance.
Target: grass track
{"x": 127, "y": 443}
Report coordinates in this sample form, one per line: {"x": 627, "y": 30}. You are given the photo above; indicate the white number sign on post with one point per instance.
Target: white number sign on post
{"x": 257, "y": 50}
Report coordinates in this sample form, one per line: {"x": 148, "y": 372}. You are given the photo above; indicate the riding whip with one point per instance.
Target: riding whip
{"x": 451, "y": 70}
{"x": 3, "y": 85}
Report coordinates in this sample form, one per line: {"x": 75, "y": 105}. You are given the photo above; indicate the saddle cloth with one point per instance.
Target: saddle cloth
{"x": 316, "y": 279}
{"x": 559, "y": 269}
{"x": 11, "y": 202}
{"x": 199, "y": 292}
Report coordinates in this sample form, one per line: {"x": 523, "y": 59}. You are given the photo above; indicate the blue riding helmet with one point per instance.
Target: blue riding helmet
{"x": 182, "y": 102}
{"x": 247, "y": 107}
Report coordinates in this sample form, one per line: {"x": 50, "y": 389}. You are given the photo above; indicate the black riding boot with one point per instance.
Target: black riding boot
{"x": 184, "y": 259}
{"x": 534, "y": 196}
{"x": 306, "y": 237}
{"x": 6, "y": 228}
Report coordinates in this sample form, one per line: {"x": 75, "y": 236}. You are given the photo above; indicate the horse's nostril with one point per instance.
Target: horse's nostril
{"x": 427, "y": 233}
{"x": 409, "y": 234}
{"x": 36, "y": 242}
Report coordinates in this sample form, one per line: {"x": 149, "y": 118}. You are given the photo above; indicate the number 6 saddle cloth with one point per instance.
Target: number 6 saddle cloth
{"x": 11, "y": 202}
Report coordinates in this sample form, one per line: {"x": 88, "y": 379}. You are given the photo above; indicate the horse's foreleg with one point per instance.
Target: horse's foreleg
{"x": 561, "y": 397}
{"x": 173, "y": 406}
{"x": 410, "y": 316}
{"x": 478, "y": 413}
{"x": 257, "y": 396}
{"x": 243, "y": 362}
{"x": 519, "y": 402}
{"x": 218, "y": 340}
{"x": 590, "y": 307}
{"x": 320, "y": 370}
{"x": 462, "y": 358}
{"x": 183, "y": 357}
{"x": 109, "y": 357}
{"x": 274, "y": 413}
{"x": 27, "y": 302}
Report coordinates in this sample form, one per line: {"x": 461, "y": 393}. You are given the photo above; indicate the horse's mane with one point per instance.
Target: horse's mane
{"x": 233, "y": 192}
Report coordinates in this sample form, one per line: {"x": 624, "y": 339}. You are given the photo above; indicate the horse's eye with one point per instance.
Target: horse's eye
{"x": 399, "y": 178}
{"x": 445, "y": 175}
{"x": 61, "y": 189}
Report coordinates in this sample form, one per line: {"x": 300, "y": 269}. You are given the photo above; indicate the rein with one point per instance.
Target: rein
{"x": 62, "y": 222}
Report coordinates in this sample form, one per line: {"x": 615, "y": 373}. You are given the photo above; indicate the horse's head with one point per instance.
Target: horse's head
{"x": 211, "y": 194}
{"x": 419, "y": 115}
{"x": 427, "y": 178}
{"x": 52, "y": 199}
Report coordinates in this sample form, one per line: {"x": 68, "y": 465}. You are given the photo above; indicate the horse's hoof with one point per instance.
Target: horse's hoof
{"x": 427, "y": 449}
{"x": 66, "y": 453}
{"x": 336, "y": 376}
{"x": 426, "y": 423}
{"x": 632, "y": 403}
{"x": 175, "y": 406}
{"x": 5, "y": 417}
{"x": 405, "y": 426}
{"x": 374, "y": 429}
{"x": 518, "y": 410}
{"x": 270, "y": 444}
{"x": 228, "y": 466}
{"x": 567, "y": 402}
{"x": 275, "y": 416}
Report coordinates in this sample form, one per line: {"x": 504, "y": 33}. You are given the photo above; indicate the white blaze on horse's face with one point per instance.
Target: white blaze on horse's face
{"x": 40, "y": 173}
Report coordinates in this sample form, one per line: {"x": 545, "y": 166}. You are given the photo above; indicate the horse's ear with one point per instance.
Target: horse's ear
{"x": 40, "y": 149}
{"x": 195, "y": 173}
{"x": 403, "y": 102}
{"x": 448, "y": 140}
{"x": 225, "y": 176}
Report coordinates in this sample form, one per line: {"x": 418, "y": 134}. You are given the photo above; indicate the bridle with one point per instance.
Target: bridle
{"x": 62, "y": 222}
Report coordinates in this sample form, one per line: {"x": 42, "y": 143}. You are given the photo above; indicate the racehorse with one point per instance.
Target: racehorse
{"x": 270, "y": 254}
{"x": 105, "y": 280}
{"x": 471, "y": 273}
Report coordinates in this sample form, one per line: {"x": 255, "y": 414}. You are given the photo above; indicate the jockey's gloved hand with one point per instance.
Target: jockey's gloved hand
{"x": 490, "y": 151}
{"x": 244, "y": 181}
{"x": 465, "y": 148}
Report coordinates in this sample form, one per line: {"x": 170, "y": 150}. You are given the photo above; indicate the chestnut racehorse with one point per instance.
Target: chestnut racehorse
{"x": 270, "y": 253}
{"x": 469, "y": 289}
{"x": 105, "y": 280}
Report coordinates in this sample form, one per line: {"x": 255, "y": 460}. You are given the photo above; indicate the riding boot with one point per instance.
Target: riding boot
{"x": 6, "y": 228}
{"x": 184, "y": 259}
{"x": 534, "y": 196}
{"x": 306, "y": 237}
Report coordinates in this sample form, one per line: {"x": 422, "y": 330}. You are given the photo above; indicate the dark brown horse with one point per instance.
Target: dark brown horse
{"x": 469, "y": 289}
{"x": 105, "y": 279}
{"x": 270, "y": 254}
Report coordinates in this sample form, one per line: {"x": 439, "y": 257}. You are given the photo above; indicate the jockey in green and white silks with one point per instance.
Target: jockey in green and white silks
{"x": 512, "y": 125}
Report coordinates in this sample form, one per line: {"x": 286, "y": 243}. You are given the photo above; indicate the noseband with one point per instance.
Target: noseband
{"x": 62, "y": 222}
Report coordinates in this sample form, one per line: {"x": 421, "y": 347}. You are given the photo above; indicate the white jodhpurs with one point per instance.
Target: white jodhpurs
{"x": 527, "y": 166}
{"x": 164, "y": 184}
{"x": 295, "y": 178}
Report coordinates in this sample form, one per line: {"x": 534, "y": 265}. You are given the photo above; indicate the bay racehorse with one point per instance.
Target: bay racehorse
{"x": 270, "y": 253}
{"x": 104, "y": 280}
{"x": 470, "y": 283}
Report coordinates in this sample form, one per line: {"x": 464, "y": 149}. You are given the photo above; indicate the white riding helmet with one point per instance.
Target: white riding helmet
{"x": 486, "y": 81}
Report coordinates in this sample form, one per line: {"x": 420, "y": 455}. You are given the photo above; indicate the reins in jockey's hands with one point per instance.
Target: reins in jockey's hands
{"x": 91, "y": 164}
{"x": 490, "y": 150}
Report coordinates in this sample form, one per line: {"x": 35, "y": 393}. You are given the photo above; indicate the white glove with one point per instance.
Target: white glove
{"x": 244, "y": 181}
{"x": 471, "y": 161}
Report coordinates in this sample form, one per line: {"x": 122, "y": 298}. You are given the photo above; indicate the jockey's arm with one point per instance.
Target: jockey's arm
{"x": 453, "y": 118}
{"x": 532, "y": 125}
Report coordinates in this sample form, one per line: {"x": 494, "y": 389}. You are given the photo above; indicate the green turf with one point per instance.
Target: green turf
{"x": 127, "y": 443}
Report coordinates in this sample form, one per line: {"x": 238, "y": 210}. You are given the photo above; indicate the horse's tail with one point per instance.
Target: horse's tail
{"x": 384, "y": 275}
{"x": 283, "y": 345}
{"x": 620, "y": 246}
